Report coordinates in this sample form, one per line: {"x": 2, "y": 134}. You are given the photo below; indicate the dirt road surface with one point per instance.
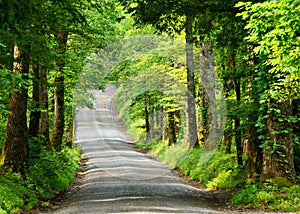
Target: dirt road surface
{"x": 118, "y": 179}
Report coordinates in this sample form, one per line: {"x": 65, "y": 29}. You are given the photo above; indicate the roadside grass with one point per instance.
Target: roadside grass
{"x": 222, "y": 172}
{"x": 268, "y": 197}
{"x": 218, "y": 171}
{"x": 47, "y": 176}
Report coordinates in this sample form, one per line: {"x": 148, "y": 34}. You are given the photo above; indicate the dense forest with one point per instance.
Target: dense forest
{"x": 209, "y": 87}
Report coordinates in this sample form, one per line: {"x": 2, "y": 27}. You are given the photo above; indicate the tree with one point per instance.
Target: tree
{"x": 15, "y": 149}
{"x": 59, "y": 91}
{"x": 29, "y": 28}
{"x": 165, "y": 16}
{"x": 274, "y": 31}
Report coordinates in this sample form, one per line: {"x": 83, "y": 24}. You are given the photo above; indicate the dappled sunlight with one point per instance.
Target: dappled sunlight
{"x": 116, "y": 174}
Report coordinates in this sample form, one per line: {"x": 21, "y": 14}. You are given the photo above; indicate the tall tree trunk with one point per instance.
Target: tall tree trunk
{"x": 227, "y": 138}
{"x": 253, "y": 153}
{"x": 35, "y": 112}
{"x": 191, "y": 106}
{"x": 296, "y": 131}
{"x": 252, "y": 143}
{"x": 204, "y": 116}
{"x": 59, "y": 90}
{"x": 171, "y": 128}
{"x": 44, "y": 100}
{"x": 208, "y": 81}
{"x": 253, "y": 150}
{"x": 237, "y": 118}
{"x": 152, "y": 118}
{"x": 146, "y": 116}
{"x": 278, "y": 153}
{"x": 237, "y": 124}
{"x": 15, "y": 149}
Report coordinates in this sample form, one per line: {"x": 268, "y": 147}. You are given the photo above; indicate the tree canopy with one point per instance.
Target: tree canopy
{"x": 200, "y": 84}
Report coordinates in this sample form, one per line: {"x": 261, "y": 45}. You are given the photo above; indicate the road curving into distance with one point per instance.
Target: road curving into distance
{"x": 118, "y": 179}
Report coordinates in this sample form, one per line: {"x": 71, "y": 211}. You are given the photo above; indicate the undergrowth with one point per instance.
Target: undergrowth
{"x": 217, "y": 170}
{"x": 47, "y": 175}
{"x": 220, "y": 171}
{"x": 270, "y": 197}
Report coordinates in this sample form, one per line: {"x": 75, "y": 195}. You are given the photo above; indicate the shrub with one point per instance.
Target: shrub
{"x": 270, "y": 197}
{"x": 219, "y": 172}
{"x": 47, "y": 175}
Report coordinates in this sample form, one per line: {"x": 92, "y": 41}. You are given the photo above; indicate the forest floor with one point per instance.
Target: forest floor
{"x": 116, "y": 177}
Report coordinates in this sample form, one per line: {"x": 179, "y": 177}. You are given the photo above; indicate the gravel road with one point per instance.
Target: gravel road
{"x": 118, "y": 179}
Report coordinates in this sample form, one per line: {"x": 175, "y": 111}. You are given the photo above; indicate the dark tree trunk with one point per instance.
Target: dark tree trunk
{"x": 278, "y": 153}
{"x": 237, "y": 118}
{"x": 44, "y": 99}
{"x": 15, "y": 149}
{"x": 59, "y": 89}
{"x": 177, "y": 121}
{"x": 35, "y": 112}
{"x": 253, "y": 150}
{"x": 146, "y": 116}
{"x": 171, "y": 128}
{"x": 237, "y": 124}
{"x": 164, "y": 125}
{"x": 227, "y": 138}
{"x": 204, "y": 117}
{"x": 191, "y": 106}
{"x": 296, "y": 131}
{"x": 69, "y": 134}
{"x": 253, "y": 153}
{"x": 251, "y": 142}
{"x": 152, "y": 118}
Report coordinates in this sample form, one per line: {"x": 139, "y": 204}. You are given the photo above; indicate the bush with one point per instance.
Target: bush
{"x": 51, "y": 173}
{"x": 269, "y": 197}
{"x": 174, "y": 155}
{"x": 54, "y": 171}
{"x": 220, "y": 171}
{"x": 12, "y": 192}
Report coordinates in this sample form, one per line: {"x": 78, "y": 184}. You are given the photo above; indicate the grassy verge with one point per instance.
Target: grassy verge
{"x": 47, "y": 176}
{"x": 271, "y": 196}
{"x": 222, "y": 172}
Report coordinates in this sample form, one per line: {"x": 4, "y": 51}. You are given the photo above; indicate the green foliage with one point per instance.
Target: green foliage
{"x": 11, "y": 195}
{"x": 174, "y": 155}
{"x": 219, "y": 172}
{"x": 54, "y": 170}
{"x": 190, "y": 162}
{"x": 271, "y": 196}
{"x": 2, "y": 129}
{"x": 46, "y": 176}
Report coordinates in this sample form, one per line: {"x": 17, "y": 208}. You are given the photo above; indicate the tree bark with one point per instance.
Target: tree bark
{"x": 253, "y": 153}
{"x": 152, "y": 118}
{"x": 44, "y": 104}
{"x": 146, "y": 116}
{"x": 191, "y": 106}
{"x": 35, "y": 112}
{"x": 15, "y": 149}
{"x": 208, "y": 81}
{"x": 278, "y": 153}
{"x": 58, "y": 124}
{"x": 227, "y": 137}
{"x": 171, "y": 128}
{"x": 237, "y": 124}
